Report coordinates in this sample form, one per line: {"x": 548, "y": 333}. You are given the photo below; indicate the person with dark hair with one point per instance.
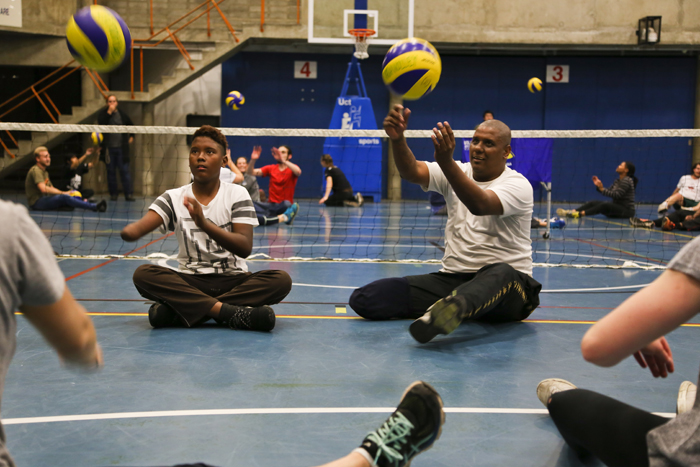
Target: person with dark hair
{"x": 43, "y": 196}
{"x": 76, "y": 167}
{"x": 609, "y": 430}
{"x": 339, "y": 184}
{"x": 687, "y": 192}
{"x": 488, "y": 115}
{"x": 213, "y": 222}
{"x": 486, "y": 270}
{"x": 115, "y": 149}
{"x": 621, "y": 192}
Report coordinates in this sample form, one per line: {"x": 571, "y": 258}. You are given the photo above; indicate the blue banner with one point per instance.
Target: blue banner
{"x": 532, "y": 157}
{"x": 359, "y": 158}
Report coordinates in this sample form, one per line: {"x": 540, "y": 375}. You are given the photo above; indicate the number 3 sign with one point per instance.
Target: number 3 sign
{"x": 557, "y": 73}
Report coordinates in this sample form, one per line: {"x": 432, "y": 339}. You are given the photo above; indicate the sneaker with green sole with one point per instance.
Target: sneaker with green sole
{"x": 442, "y": 318}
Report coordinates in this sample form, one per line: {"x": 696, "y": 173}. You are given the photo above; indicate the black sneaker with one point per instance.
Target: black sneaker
{"x": 259, "y": 318}
{"x": 101, "y": 206}
{"x": 644, "y": 223}
{"x": 411, "y": 429}
{"x": 130, "y": 198}
{"x": 441, "y": 318}
{"x": 162, "y": 316}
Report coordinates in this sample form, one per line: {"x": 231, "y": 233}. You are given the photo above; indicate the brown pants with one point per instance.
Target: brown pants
{"x": 192, "y": 295}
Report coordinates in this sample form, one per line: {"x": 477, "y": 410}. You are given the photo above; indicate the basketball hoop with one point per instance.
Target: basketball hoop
{"x": 361, "y": 41}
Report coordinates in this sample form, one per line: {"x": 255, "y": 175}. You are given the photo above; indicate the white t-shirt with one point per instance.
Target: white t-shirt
{"x": 199, "y": 254}
{"x": 472, "y": 242}
{"x": 689, "y": 187}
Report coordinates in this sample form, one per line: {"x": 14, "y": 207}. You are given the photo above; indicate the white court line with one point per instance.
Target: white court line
{"x": 278, "y": 411}
{"x": 592, "y": 289}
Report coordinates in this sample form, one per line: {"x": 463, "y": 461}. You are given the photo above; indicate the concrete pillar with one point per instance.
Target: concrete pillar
{"x": 393, "y": 182}
{"x": 145, "y": 168}
{"x": 696, "y": 141}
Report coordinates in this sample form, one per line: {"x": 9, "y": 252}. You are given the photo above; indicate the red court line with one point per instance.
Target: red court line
{"x": 622, "y": 251}
{"x": 115, "y": 259}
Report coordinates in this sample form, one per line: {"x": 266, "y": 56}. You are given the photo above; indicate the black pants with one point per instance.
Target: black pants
{"x": 614, "y": 432}
{"x": 496, "y": 293}
{"x": 193, "y": 295}
{"x": 677, "y": 217}
{"x": 339, "y": 197}
{"x": 606, "y": 208}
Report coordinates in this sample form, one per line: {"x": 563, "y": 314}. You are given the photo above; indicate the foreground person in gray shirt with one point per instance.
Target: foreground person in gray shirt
{"x": 31, "y": 281}
{"x": 616, "y": 433}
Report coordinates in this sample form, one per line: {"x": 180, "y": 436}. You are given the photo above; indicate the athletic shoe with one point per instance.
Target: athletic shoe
{"x": 441, "y": 318}
{"x": 645, "y": 223}
{"x": 130, "y": 198}
{"x": 259, "y": 318}
{"x": 567, "y": 213}
{"x": 663, "y": 207}
{"x": 101, "y": 206}
{"x": 686, "y": 397}
{"x": 411, "y": 429}
{"x": 667, "y": 225}
{"x": 162, "y": 316}
{"x": 291, "y": 213}
{"x": 550, "y": 386}
{"x": 360, "y": 200}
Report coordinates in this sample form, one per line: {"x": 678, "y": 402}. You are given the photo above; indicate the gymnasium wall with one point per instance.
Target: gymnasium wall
{"x": 603, "y": 93}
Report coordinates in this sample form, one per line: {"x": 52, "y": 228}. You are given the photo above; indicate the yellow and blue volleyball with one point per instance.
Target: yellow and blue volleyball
{"x": 235, "y": 100}
{"x": 98, "y": 38}
{"x": 411, "y": 68}
{"x": 97, "y": 138}
{"x": 534, "y": 84}
{"x": 76, "y": 194}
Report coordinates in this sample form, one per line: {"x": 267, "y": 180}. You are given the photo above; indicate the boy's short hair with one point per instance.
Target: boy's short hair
{"x": 289, "y": 150}
{"x": 213, "y": 133}
{"x": 327, "y": 159}
{"x": 39, "y": 150}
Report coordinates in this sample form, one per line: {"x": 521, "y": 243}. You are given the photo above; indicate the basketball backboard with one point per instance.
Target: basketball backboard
{"x": 330, "y": 20}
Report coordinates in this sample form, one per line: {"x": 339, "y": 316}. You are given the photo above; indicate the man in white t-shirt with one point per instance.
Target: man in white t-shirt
{"x": 487, "y": 266}
{"x": 213, "y": 222}
{"x": 687, "y": 194}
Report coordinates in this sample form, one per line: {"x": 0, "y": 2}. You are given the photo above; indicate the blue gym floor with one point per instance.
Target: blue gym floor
{"x": 310, "y": 390}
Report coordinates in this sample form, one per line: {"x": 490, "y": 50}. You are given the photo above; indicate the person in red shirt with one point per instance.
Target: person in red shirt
{"x": 283, "y": 175}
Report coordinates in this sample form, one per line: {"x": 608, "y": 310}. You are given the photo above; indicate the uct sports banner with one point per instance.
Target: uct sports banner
{"x": 532, "y": 157}
{"x": 359, "y": 158}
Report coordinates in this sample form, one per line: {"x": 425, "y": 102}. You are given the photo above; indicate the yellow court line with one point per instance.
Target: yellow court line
{"x": 341, "y": 310}
{"x": 650, "y": 230}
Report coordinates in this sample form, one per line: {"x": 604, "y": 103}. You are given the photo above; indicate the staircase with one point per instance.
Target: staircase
{"x": 87, "y": 113}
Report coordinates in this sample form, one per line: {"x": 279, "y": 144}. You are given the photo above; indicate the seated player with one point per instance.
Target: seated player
{"x": 687, "y": 193}
{"x": 269, "y": 212}
{"x": 621, "y": 192}
{"x": 487, "y": 266}
{"x": 614, "y": 432}
{"x": 338, "y": 183}
{"x": 41, "y": 194}
{"x": 213, "y": 222}
{"x": 75, "y": 169}
{"x": 283, "y": 175}
{"x": 33, "y": 283}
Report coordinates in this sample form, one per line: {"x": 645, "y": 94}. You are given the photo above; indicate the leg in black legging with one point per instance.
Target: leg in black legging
{"x": 588, "y": 206}
{"x": 610, "y": 430}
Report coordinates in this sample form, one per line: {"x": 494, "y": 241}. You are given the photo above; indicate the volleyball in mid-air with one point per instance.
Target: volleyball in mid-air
{"x": 411, "y": 68}
{"x": 97, "y": 138}
{"x": 235, "y": 100}
{"x": 98, "y": 38}
{"x": 534, "y": 84}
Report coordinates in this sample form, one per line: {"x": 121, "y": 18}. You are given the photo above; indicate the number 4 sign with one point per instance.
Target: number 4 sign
{"x": 305, "y": 70}
{"x": 557, "y": 73}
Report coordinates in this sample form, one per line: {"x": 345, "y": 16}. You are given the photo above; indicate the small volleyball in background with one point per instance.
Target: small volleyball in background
{"x": 235, "y": 100}
{"x": 76, "y": 194}
{"x": 534, "y": 84}
{"x": 98, "y": 38}
{"x": 411, "y": 68}
{"x": 97, "y": 138}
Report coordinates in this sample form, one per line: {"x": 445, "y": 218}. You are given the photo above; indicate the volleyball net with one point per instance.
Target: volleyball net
{"x": 409, "y": 229}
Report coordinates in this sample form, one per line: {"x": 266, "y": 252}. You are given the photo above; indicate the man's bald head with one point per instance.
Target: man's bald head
{"x": 502, "y": 130}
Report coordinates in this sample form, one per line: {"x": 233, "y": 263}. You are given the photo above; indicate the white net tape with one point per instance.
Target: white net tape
{"x": 174, "y": 130}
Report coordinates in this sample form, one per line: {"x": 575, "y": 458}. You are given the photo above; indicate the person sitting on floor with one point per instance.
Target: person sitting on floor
{"x": 339, "y": 184}
{"x": 612, "y": 431}
{"x": 76, "y": 167}
{"x": 43, "y": 196}
{"x": 687, "y": 192}
{"x": 213, "y": 222}
{"x": 284, "y": 210}
{"x": 621, "y": 192}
